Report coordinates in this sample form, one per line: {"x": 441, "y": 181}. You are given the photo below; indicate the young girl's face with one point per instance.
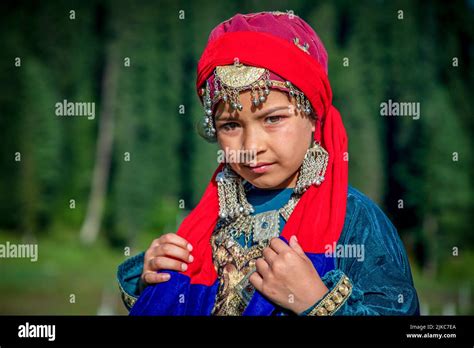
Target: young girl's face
{"x": 276, "y": 132}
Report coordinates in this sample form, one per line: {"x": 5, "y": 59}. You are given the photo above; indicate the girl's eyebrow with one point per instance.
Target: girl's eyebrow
{"x": 262, "y": 114}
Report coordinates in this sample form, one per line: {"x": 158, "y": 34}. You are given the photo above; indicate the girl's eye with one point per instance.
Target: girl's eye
{"x": 273, "y": 119}
{"x": 229, "y": 126}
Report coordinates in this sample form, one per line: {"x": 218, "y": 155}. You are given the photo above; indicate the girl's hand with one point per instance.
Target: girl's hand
{"x": 287, "y": 276}
{"x": 170, "y": 252}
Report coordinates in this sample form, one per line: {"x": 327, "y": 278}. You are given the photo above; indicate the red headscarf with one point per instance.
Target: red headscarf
{"x": 266, "y": 40}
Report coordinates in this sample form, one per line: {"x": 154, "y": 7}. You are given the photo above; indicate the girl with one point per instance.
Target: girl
{"x": 279, "y": 231}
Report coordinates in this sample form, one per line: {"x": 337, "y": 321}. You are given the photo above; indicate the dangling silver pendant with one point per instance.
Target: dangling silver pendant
{"x": 266, "y": 226}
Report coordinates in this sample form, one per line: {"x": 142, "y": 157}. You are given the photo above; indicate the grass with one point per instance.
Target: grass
{"x": 67, "y": 279}
{"x": 442, "y": 291}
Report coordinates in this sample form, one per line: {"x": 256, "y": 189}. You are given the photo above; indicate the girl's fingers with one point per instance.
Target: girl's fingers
{"x": 262, "y": 267}
{"x": 269, "y": 255}
{"x": 162, "y": 262}
{"x": 173, "y": 250}
{"x": 173, "y": 238}
{"x": 256, "y": 280}
{"x": 154, "y": 278}
{"x": 278, "y": 245}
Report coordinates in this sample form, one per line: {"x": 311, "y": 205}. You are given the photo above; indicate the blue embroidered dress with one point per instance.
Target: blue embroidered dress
{"x": 369, "y": 253}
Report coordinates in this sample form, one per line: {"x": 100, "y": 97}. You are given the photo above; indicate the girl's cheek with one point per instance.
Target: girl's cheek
{"x": 226, "y": 142}
{"x": 294, "y": 146}
{"x": 287, "y": 138}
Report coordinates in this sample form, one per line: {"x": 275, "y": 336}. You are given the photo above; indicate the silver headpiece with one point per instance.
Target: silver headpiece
{"x": 230, "y": 80}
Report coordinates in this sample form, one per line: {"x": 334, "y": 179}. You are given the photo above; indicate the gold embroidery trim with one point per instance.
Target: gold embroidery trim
{"x": 334, "y": 300}
{"x": 241, "y": 258}
{"x": 127, "y": 299}
{"x": 239, "y": 75}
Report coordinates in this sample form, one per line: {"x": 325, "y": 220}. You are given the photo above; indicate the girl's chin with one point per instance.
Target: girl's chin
{"x": 268, "y": 180}
{"x": 265, "y": 183}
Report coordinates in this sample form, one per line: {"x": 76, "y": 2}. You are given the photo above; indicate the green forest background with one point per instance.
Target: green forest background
{"x": 93, "y": 192}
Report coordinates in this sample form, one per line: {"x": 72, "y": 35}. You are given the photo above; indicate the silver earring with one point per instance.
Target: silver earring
{"x": 208, "y": 123}
{"x": 312, "y": 169}
{"x": 231, "y": 192}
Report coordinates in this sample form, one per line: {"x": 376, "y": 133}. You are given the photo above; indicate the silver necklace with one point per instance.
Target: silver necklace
{"x": 235, "y": 212}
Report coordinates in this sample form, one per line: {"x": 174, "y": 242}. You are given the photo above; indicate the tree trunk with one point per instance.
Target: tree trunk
{"x": 92, "y": 222}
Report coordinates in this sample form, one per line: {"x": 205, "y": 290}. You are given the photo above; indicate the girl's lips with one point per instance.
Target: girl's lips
{"x": 260, "y": 167}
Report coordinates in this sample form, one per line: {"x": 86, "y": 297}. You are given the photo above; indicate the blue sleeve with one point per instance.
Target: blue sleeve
{"x": 380, "y": 278}
{"x": 128, "y": 276}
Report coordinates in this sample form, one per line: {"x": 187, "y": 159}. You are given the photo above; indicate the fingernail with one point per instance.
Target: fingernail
{"x": 166, "y": 276}
{"x": 191, "y": 258}
{"x": 190, "y": 247}
{"x": 184, "y": 267}
{"x": 296, "y": 239}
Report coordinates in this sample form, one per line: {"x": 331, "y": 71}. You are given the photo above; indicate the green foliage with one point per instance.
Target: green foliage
{"x": 169, "y": 165}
